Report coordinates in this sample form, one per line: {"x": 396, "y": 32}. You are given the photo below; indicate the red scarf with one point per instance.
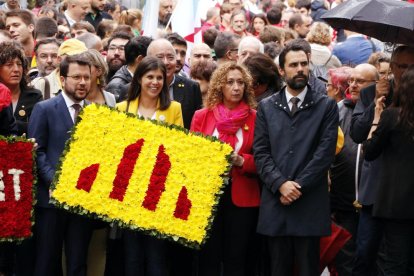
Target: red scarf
{"x": 229, "y": 121}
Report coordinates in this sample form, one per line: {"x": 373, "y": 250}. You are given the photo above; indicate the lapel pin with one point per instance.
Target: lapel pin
{"x": 22, "y": 112}
{"x": 246, "y": 127}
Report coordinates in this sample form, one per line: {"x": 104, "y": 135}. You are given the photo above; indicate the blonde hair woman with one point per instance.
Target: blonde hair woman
{"x": 133, "y": 18}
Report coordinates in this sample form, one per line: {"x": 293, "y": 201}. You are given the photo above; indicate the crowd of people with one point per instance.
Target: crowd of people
{"x": 321, "y": 122}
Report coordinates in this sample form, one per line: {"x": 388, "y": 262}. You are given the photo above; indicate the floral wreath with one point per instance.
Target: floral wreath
{"x": 142, "y": 174}
{"x": 17, "y": 193}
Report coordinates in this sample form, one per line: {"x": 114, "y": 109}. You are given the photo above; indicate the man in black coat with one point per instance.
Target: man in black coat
{"x": 135, "y": 51}
{"x": 182, "y": 90}
{"x": 295, "y": 138}
{"x": 369, "y": 228}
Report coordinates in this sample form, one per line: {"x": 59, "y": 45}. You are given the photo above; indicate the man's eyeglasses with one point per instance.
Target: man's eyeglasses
{"x": 359, "y": 81}
{"x": 113, "y": 48}
{"x": 79, "y": 78}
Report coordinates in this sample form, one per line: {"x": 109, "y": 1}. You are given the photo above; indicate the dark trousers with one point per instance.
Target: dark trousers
{"x": 294, "y": 254}
{"x": 55, "y": 227}
{"x": 369, "y": 236}
{"x": 227, "y": 249}
{"x": 144, "y": 255}
{"x": 181, "y": 260}
{"x": 399, "y": 247}
{"x": 343, "y": 262}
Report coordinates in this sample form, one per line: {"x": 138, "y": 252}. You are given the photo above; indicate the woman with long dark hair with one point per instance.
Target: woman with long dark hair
{"x": 392, "y": 139}
{"x": 148, "y": 97}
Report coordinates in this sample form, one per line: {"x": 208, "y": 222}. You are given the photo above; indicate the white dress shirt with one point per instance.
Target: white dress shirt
{"x": 301, "y": 97}
{"x": 69, "y": 102}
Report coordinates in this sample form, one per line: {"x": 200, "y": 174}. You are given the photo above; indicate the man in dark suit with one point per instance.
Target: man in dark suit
{"x": 182, "y": 90}
{"x": 50, "y": 124}
{"x": 294, "y": 146}
{"x": 370, "y": 229}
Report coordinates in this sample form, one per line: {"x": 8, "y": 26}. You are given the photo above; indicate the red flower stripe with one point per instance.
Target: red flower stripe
{"x": 157, "y": 181}
{"x": 125, "y": 170}
{"x": 17, "y": 200}
{"x": 87, "y": 176}
{"x": 183, "y": 206}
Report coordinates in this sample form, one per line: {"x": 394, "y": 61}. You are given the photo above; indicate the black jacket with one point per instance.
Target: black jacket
{"x": 299, "y": 148}
{"x": 98, "y": 18}
{"x": 28, "y": 98}
{"x": 187, "y": 93}
{"x": 394, "y": 148}
{"x": 119, "y": 84}
{"x": 342, "y": 172}
{"x": 360, "y": 127}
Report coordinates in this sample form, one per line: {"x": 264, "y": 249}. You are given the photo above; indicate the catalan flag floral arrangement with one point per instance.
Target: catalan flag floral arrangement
{"x": 17, "y": 178}
{"x": 142, "y": 174}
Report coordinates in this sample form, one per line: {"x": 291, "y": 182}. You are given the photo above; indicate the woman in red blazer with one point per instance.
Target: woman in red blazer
{"x": 229, "y": 116}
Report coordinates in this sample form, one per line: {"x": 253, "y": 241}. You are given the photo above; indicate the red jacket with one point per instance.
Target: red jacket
{"x": 245, "y": 187}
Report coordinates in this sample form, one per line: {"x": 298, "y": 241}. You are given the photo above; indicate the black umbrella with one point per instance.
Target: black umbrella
{"x": 386, "y": 20}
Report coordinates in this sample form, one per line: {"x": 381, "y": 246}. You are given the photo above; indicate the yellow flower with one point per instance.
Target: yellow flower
{"x": 102, "y": 136}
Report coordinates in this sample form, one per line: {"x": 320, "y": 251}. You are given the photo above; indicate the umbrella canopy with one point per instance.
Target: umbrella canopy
{"x": 386, "y": 20}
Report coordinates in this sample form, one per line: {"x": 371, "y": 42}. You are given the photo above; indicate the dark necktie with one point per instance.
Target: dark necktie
{"x": 77, "y": 108}
{"x": 294, "y": 101}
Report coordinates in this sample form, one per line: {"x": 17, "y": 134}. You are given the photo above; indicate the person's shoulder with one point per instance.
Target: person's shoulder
{"x": 121, "y": 106}
{"x": 181, "y": 81}
{"x": 175, "y": 105}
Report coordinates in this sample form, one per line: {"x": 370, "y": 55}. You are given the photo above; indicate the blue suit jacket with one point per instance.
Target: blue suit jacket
{"x": 353, "y": 51}
{"x": 50, "y": 124}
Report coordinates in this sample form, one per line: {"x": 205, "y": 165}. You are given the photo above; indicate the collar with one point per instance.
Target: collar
{"x": 69, "y": 102}
{"x": 172, "y": 83}
{"x": 301, "y": 95}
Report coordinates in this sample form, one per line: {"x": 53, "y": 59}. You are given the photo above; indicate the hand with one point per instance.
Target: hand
{"x": 379, "y": 107}
{"x": 284, "y": 200}
{"x": 290, "y": 190}
{"x": 237, "y": 160}
{"x": 382, "y": 88}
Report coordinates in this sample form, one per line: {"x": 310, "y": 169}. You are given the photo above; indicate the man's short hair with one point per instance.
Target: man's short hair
{"x": 121, "y": 35}
{"x": 224, "y": 42}
{"x": 203, "y": 70}
{"x": 105, "y": 27}
{"x": 295, "y": 46}
{"x": 274, "y": 15}
{"x": 26, "y": 16}
{"x": 46, "y": 27}
{"x": 176, "y": 39}
{"x": 78, "y": 59}
{"x": 83, "y": 25}
{"x": 46, "y": 41}
{"x": 272, "y": 34}
{"x": 296, "y": 18}
{"x": 90, "y": 40}
{"x": 303, "y": 4}
{"x": 137, "y": 46}
{"x": 209, "y": 36}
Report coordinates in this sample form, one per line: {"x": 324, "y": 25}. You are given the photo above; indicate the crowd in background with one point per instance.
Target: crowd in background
{"x": 270, "y": 78}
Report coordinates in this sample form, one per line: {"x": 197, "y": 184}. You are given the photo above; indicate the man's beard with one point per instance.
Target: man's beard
{"x": 296, "y": 83}
{"x": 113, "y": 67}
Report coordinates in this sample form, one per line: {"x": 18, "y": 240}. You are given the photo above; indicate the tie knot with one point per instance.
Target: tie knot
{"x": 77, "y": 107}
{"x": 295, "y": 100}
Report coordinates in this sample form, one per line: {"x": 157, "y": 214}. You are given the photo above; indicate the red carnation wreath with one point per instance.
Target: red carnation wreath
{"x": 16, "y": 188}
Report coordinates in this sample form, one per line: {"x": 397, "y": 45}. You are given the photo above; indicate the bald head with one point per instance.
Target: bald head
{"x": 200, "y": 52}
{"x": 163, "y": 49}
{"x": 362, "y": 76}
